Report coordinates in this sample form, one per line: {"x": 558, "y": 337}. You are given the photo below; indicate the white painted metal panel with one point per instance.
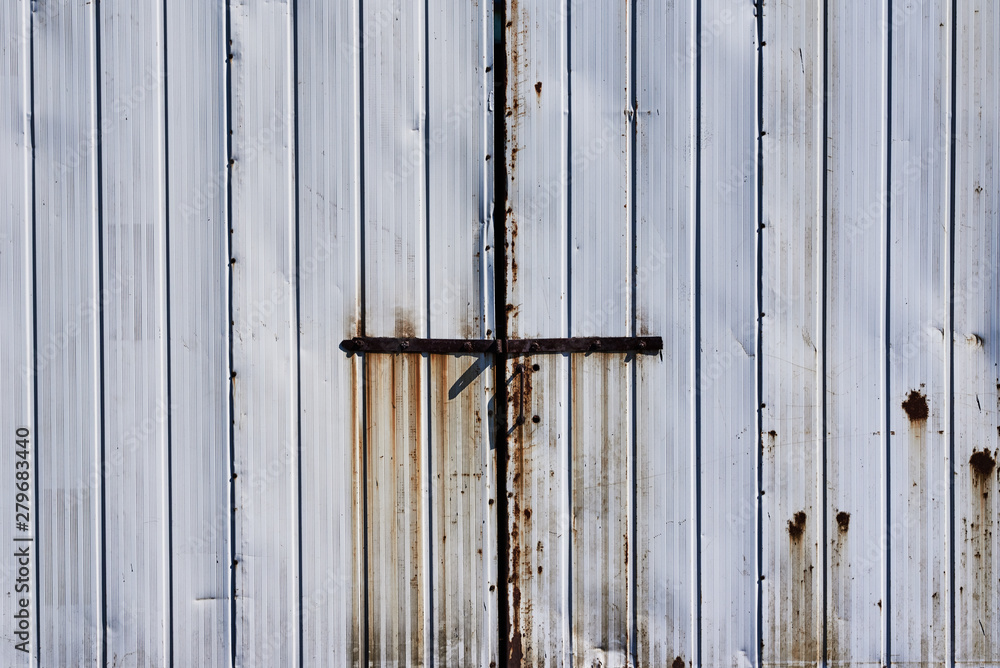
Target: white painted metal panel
{"x": 394, "y": 52}
{"x": 599, "y": 278}
{"x": 264, "y": 336}
{"x": 919, "y": 351}
{"x": 975, "y": 290}
{"x": 134, "y": 328}
{"x": 463, "y": 566}
{"x": 666, "y": 533}
{"x": 18, "y": 614}
{"x": 791, "y": 271}
{"x": 198, "y": 301}
{"x": 69, "y": 297}
{"x": 536, "y": 233}
{"x": 327, "y": 85}
{"x": 855, "y": 370}
{"x": 727, "y": 346}
{"x": 218, "y": 194}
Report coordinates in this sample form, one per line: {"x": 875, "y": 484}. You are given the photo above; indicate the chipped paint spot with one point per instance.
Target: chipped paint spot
{"x": 916, "y": 406}
{"x": 982, "y": 463}
{"x": 797, "y": 525}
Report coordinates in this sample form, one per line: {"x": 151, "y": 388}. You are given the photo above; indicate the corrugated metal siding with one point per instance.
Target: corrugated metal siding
{"x": 200, "y": 201}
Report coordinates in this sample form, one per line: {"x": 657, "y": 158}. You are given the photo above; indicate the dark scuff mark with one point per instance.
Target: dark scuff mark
{"x": 916, "y": 406}
{"x": 797, "y": 525}
{"x": 843, "y": 520}
{"x": 982, "y": 463}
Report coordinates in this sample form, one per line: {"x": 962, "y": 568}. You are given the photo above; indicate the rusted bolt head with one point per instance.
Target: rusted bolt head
{"x": 467, "y": 346}
{"x": 595, "y": 344}
{"x": 642, "y": 345}
{"x": 534, "y": 346}
{"x": 536, "y": 419}
{"x": 358, "y": 342}
{"x": 404, "y": 344}
{"x": 520, "y": 419}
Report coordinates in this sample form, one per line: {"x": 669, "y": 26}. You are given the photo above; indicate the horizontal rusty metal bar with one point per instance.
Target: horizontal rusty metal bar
{"x": 580, "y": 344}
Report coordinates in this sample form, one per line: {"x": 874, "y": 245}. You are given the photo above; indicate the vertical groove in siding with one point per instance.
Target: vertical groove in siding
{"x": 101, "y": 300}
{"x": 226, "y": 53}
{"x": 821, "y": 326}
{"x": 950, "y": 328}
{"x": 31, "y": 370}
{"x": 696, "y": 330}
{"x": 168, "y": 505}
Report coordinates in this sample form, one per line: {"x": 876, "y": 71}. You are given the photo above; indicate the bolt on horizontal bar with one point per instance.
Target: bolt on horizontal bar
{"x": 584, "y": 344}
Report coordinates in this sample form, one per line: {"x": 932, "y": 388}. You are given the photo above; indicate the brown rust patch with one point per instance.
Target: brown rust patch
{"x": 797, "y": 525}
{"x": 538, "y": 89}
{"x": 915, "y": 406}
{"x": 678, "y": 663}
{"x": 843, "y": 520}
{"x": 982, "y": 463}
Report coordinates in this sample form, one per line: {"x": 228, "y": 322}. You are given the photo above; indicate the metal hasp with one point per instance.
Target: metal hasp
{"x": 580, "y": 344}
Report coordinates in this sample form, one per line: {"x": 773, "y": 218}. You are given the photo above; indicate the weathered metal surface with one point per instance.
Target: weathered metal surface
{"x": 976, "y": 336}
{"x": 727, "y": 344}
{"x": 327, "y": 117}
{"x": 201, "y": 201}
{"x": 69, "y": 292}
{"x": 665, "y": 507}
{"x": 199, "y": 462}
{"x": 17, "y": 350}
{"x": 579, "y": 344}
{"x": 265, "y": 332}
{"x": 538, "y": 468}
{"x": 135, "y": 396}
{"x": 855, "y": 338}
{"x": 793, "y": 524}
{"x": 919, "y": 351}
